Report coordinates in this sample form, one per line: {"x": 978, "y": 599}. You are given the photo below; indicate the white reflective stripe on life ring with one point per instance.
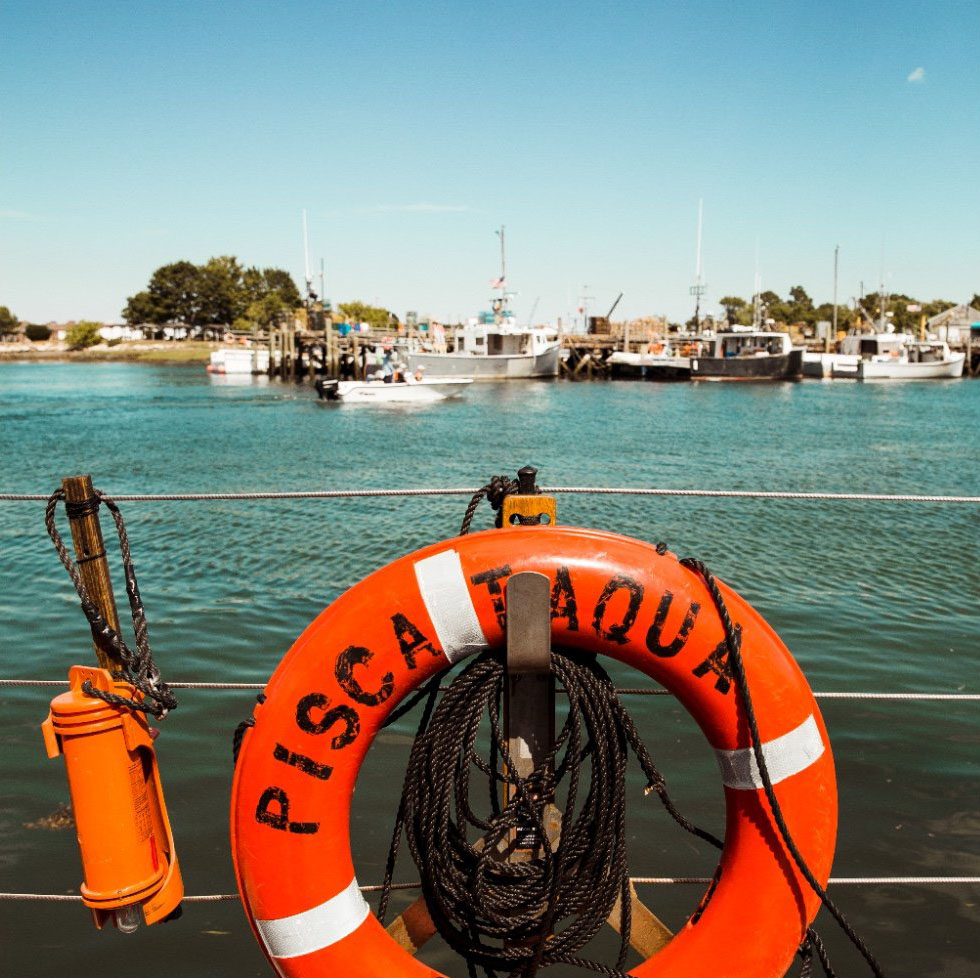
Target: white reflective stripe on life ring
{"x": 785, "y": 756}
{"x": 442, "y": 585}
{"x": 316, "y": 928}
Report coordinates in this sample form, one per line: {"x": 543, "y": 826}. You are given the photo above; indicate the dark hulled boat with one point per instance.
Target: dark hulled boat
{"x": 749, "y": 354}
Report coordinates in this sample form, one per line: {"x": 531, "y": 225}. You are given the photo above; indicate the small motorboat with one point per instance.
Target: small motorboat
{"x": 377, "y": 391}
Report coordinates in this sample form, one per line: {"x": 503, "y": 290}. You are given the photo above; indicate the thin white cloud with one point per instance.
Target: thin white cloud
{"x": 419, "y": 208}
{"x": 918, "y": 75}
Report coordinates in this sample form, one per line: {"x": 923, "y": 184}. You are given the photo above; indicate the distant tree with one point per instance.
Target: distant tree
{"x": 975, "y": 301}
{"x": 221, "y": 295}
{"x": 220, "y": 291}
{"x": 83, "y": 335}
{"x": 36, "y": 332}
{"x": 176, "y": 293}
{"x": 937, "y": 306}
{"x": 361, "y": 312}
{"x": 8, "y": 321}
{"x": 142, "y": 308}
{"x": 800, "y": 309}
{"x": 265, "y": 311}
{"x": 281, "y": 282}
{"x": 732, "y": 305}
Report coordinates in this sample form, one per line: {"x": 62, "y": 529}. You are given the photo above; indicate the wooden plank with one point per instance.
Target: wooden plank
{"x": 413, "y": 927}
{"x": 648, "y": 933}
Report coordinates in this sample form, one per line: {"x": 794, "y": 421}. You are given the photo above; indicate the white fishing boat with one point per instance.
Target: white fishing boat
{"x": 662, "y": 360}
{"x": 918, "y": 360}
{"x": 493, "y": 346}
{"x": 239, "y": 360}
{"x": 376, "y": 391}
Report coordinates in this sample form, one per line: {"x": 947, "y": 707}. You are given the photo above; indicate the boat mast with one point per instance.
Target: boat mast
{"x": 698, "y": 290}
{"x": 826, "y": 341}
{"x": 306, "y": 256}
{"x": 501, "y": 305}
{"x": 757, "y": 297}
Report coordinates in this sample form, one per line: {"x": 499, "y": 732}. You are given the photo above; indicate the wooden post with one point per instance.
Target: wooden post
{"x": 86, "y": 535}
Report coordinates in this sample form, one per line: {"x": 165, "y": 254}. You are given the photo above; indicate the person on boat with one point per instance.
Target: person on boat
{"x": 388, "y": 365}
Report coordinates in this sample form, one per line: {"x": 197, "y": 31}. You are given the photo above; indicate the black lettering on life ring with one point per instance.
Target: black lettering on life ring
{"x": 562, "y": 589}
{"x": 342, "y": 712}
{"x": 356, "y": 655}
{"x": 655, "y": 634}
{"x": 617, "y": 633}
{"x": 306, "y": 764}
{"x": 717, "y": 663}
{"x": 492, "y": 580}
{"x": 280, "y": 819}
{"x": 411, "y": 640}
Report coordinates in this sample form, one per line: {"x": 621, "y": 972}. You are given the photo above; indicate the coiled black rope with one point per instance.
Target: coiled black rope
{"x": 138, "y": 667}
{"x": 490, "y": 910}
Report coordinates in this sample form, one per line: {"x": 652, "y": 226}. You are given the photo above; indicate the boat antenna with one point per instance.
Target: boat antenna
{"x": 698, "y": 289}
{"x": 534, "y": 309}
{"x": 310, "y": 294}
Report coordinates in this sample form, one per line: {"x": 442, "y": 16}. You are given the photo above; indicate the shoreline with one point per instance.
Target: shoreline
{"x": 182, "y": 353}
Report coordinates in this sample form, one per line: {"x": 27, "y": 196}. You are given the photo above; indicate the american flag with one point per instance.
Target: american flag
{"x": 498, "y": 283}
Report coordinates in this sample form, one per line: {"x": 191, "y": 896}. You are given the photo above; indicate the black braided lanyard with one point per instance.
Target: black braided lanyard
{"x": 138, "y": 667}
{"x": 495, "y": 491}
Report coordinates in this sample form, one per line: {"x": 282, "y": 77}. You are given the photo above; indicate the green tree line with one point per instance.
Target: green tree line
{"x": 798, "y": 307}
{"x": 219, "y": 292}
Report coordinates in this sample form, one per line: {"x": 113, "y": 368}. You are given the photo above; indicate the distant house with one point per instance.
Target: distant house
{"x": 953, "y": 325}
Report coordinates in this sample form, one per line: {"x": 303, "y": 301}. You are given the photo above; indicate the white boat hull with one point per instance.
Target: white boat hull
{"x": 887, "y": 368}
{"x": 479, "y": 366}
{"x": 377, "y": 392}
{"x": 239, "y": 361}
{"x": 824, "y": 365}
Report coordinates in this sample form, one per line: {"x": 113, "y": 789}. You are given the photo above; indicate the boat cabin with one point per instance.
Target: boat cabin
{"x": 868, "y": 345}
{"x": 503, "y": 339}
{"x": 751, "y": 343}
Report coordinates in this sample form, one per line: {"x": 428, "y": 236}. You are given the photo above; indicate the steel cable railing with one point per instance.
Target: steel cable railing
{"x": 557, "y": 490}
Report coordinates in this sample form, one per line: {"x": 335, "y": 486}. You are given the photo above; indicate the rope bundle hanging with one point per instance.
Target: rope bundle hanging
{"x": 138, "y": 667}
{"x": 490, "y": 910}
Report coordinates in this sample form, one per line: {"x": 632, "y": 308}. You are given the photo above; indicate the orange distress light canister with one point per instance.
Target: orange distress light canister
{"x": 129, "y": 861}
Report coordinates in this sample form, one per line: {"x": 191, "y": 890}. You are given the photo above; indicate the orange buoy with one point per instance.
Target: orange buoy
{"x": 129, "y": 861}
{"x": 611, "y": 595}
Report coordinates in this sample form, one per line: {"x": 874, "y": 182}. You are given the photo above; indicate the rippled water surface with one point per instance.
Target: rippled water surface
{"x": 867, "y": 596}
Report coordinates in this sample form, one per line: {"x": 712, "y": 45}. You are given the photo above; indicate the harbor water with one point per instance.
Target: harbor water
{"x": 868, "y": 596}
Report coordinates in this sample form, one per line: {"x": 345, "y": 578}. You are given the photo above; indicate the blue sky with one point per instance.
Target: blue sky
{"x": 136, "y": 134}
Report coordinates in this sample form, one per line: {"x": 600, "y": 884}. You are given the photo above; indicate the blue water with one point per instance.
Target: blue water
{"x": 868, "y": 596}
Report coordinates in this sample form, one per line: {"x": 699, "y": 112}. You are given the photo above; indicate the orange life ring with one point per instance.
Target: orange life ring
{"x": 655, "y": 348}
{"x": 612, "y": 595}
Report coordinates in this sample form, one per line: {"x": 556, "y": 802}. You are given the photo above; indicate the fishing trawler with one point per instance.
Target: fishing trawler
{"x": 493, "y": 346}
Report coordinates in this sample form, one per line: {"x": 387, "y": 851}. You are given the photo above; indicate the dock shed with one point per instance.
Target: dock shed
{"x": 954, "y": 324}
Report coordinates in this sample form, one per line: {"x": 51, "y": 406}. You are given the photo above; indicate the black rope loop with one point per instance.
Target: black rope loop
{"x": 241, "y": 730}
{"x": 737, "y": 667}
{"x": 495, "y": 491}
{"x": 138, "y": 667}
